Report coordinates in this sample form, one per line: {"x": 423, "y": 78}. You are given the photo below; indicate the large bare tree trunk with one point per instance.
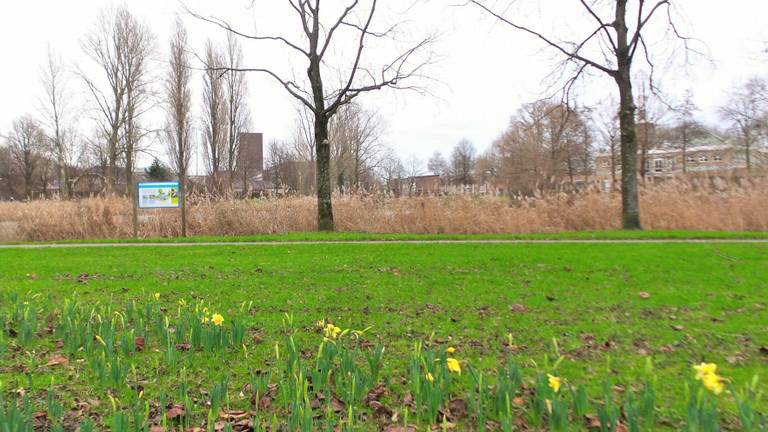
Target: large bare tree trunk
{"x": 630, "y": 209}
{"x": 323, "y": 176}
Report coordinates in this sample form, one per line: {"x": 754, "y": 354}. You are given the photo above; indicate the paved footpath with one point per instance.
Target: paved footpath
{"x": 381, "y": 242}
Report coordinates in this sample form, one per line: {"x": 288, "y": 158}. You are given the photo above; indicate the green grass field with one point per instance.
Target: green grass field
{"x": 704, "y": 302}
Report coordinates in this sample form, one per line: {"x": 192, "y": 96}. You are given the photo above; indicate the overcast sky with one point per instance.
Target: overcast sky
{"x": 484, "y": 70}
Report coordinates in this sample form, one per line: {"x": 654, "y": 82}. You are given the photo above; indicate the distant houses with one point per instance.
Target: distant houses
{"x": 698, "y": 160}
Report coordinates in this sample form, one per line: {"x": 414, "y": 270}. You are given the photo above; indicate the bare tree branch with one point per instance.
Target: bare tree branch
{"x": 545, "y": 39}
{"x": 226, "y": 26}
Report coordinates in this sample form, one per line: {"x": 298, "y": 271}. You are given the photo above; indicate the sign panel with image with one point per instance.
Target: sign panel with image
{"x": 158, "y": 195}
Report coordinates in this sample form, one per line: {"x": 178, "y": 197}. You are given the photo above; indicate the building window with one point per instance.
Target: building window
{"x": 703, "y": 158}
{"x": 606, "y": 164}
{"x": 717, "y": 158}
{"x": 671, "y": 164}
{"x": 690, "y": 159}
{"x": 658, "y": 165}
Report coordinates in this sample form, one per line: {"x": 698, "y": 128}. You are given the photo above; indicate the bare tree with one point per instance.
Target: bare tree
{"x": 355, "y": 135}
{"x": 747, "y": 109}
{"x": 303, "y": 147}
{"x": 57, "y": 113}
{"x": 586, "y": 145}
{"x": 618, "y": 44}
{"x": 355, "y": 21}
{"x": 104, "y": 46}
{"x": 7, "y": 174}
{"x": 608, "y": 125}
{"x": 178, "y": 94}
{"x": 412, "y": 169}
{"x": 486, "y": 167}
{"x": 26, "y": 142}
{"x": 463, "y": 162}
{"x": 121, "y": 46}
{"x": 686, "y": 128}
{"x": 437, "y": 164}
{"x": 281, "y": 166}
{"x": 214, "y": 114}
{"x": 391, "y": 171}
{"x": 137, "y": 47}
{"x": 238, "y": 114}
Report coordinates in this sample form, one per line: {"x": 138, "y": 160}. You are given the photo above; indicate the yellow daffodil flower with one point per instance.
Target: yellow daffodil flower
{"x": 713, "y": 383}
{"x": 331, "y": 331}
{"x": 704, "y": 369}
{"x": 217, "y": 319}
{"x": 157, "y": 296}
{"x": 554, "y": 383}
{"x": 204, "y": 320}
{"x": 429, "y": 377}
{"x": 450, "y": 350}
{"x": 205, "y": 310}
{"x": 453, "y": 365}
{"x": 182, "y": 302}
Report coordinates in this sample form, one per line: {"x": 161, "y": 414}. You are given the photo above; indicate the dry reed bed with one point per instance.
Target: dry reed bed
{"x": 704, "y": 205}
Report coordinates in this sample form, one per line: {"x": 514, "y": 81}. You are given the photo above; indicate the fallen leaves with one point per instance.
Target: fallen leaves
{"x": 518, "y": 308}
{"x": 174, "y": 412}
{"x": 138, "y": 342}
{"x": 458, "y": 409}
{"x": 57, "y": 360}
{"x": 239, "y": 420}
{"x": 397, "y": 428}
{"x": 84, "y": 278}
{"x": 644, "y": 295}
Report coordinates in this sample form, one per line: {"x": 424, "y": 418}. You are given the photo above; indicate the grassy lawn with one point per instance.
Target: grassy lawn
{"x": 704, "y": 302}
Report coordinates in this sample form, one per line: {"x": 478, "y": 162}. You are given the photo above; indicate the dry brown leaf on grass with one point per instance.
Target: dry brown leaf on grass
{"x": 458, "y": 408}
{"x": 397, "y": 428}
{"x": 138, "y": 341}
{"x": 375, "y": 394}
{"x": 240, "y": 420}
{"x": 644, "y": 295}
{"x": 518, "y": 308}
{"x": 175, "y": 412}
{"x": 57, "y": 360}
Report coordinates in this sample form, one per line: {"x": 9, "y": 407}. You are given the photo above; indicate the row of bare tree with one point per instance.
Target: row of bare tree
{"x": 547, "y": 144}
{"x": 357, "y": 151}
{"x": 126, "y": 91}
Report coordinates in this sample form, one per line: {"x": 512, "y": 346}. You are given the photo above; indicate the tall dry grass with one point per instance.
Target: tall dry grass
{"x": 692, "y": 205}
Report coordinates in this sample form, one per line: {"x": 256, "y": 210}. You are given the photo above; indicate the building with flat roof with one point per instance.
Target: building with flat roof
{"x": 709, "y": 160}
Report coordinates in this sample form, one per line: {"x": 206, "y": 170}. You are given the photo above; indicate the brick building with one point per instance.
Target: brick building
{"x": 719, "y": 160}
